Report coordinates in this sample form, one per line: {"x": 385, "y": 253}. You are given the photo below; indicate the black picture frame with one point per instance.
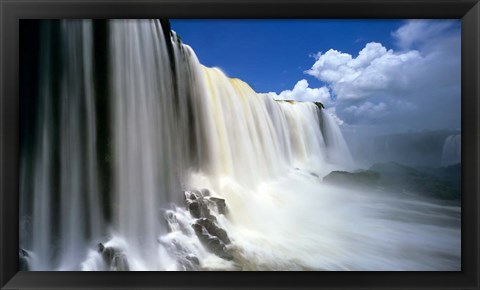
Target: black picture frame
{"x": 11, "y": 11}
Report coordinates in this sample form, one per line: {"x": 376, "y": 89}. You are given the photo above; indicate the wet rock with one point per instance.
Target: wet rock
{"x": 198, "y": 229}
{"x": 114, "y": 258}
{"x": 214, "y": 230}
{"x": 192, "y": 258}
{"x": 220, "y": 204}
{"x": 100, "y": 247}
{"x": 23, "y": 260}
{"x": 200, "y": 202}
{"x": 218, "y": 248}
{"x": 194, "y": 209}
{"x": 197, "y": 205}
{"x": 212, "y": 237}
{"x": 365, "y": 178}
{"x": 120, "y": 263}
{"x": 190, "y": 263}
{"x": 205, "y": 192}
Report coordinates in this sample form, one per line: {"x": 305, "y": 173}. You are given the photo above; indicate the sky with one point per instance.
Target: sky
{"x": 380, "y": 75}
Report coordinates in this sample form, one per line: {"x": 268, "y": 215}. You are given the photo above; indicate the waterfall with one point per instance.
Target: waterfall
{"x": 452, "y": 147}
{"x": 66, "y": 215}
{"x": 205, "y": 172}
{"x": 42, "y": 162}
{"x": 80, "y": 208}
{"x": 338, "y": 152}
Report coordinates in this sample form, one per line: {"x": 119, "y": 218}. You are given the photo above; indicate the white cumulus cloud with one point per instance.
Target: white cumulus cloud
{"x": 368, "y": 109}
{"x": 419, "y": 31}
{"x": 303, "y": 93}
{"x": 414, "y": 84}
{"x": 374, "y": 69}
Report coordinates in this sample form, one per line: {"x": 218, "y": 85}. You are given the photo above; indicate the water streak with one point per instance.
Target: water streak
{"x": 452, "y": 150}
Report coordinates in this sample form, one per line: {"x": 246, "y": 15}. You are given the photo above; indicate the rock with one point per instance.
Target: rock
{"x": 192, "y": 258}
{"x": 189, "y": 263}
{"x": 214, "y": 230}
{"x": 23, "y": 253}
{"x": 198, "y": 229}
{"x": 216, "y": 246}
{"x": 23, "y": 264}
{"x": 23, "y": 260}
{"x": 197, "y": 205}
{"x": 314, "y": 174}
{"x": 194, "y": 209}
{"x": 108, "y": 253}
{"x": 120, "y": 263}
{"x": 205, "y": 192}
{"x": 366, "y": 178}
{"x": 100, "y": 247}
{"x": 319, "y": 105}
{"x": 212, "y": 237}
{"x": 114, "y": 258}
{"x": 220, "y": 204}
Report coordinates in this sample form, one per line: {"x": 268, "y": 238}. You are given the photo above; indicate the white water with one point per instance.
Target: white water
{"x": 80, "y": 209}
{"x": 177, "y": 125}
{"x": 452, "y": 150}
{"x": 42, "y": 175}
{"x": 66, "y": 230}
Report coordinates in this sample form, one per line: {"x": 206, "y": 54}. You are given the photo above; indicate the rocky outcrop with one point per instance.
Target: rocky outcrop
{"x": 365, "y": 178}
{"x": 439, "y": 182}
{"x": 203, "y": 208}
{"x": 114, "y": 258}
{"x": 23, "y": 260}
{"x": 319, "y": 105}
{"x": 214, "y": 239}
{"x": 213, "y": 230}
{"x": 220, "y": 204}
{"x": 190, "y": 263}
{"x": 197, "y": 204}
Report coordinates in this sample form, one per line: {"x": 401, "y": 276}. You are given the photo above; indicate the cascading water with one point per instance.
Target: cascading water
{"x": 338, "y": 152}
{"x": 79, "y": 199}
{"x": 452, "y": 150}
{"x": 176, "y": 127}
{"x": 66, "y": 214}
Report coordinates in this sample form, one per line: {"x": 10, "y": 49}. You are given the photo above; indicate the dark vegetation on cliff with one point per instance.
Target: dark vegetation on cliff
{"x": 413, "y": 149}
{"x": 441, "y": 182}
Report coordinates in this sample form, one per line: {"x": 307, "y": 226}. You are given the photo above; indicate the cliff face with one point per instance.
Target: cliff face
{"x": 442, "y": 183}
{"x": 413, "y": 149}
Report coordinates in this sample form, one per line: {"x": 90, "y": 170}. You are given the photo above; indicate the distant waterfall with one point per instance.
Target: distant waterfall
{"x": 189, "y": 152}
{"x": 338, "y": 152}
{"x": 452, "y": 150}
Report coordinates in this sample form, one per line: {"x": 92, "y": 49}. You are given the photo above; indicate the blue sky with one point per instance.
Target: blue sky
{"x": 271, "y": 55}
{"x": 389, "y": 73}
